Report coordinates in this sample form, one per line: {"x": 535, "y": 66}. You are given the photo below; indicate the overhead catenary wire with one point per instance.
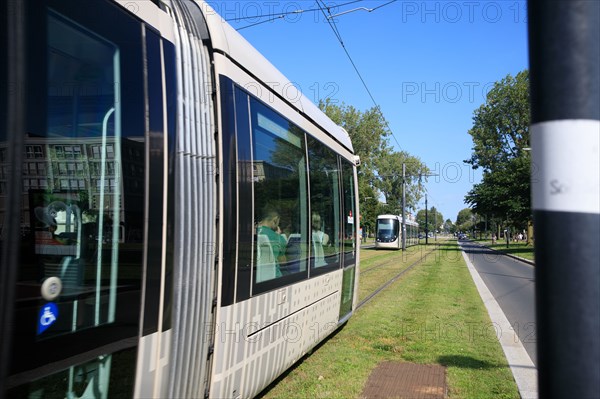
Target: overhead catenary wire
{"x": 278, "y": 15}
{"x": 361, "y": 9}
{"x": 333, "y": 26}
{"x": 262, "y": 22}
{"x": 331, "y": 21}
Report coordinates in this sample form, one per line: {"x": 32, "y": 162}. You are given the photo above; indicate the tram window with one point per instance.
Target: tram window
{"x": 350, "y": 216}
{"x": 76, "y": 209}
{"x": 79, "y": 271}
{"x": 81, "y": 77}
{"x": 280, "y": 198}
{"x": 68, "y": 233}
{"x": 325, "y": 207}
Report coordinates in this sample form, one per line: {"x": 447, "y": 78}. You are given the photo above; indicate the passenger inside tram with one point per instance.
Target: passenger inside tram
{"x": 319, "y": 240}
{"x": 271, "y": 245}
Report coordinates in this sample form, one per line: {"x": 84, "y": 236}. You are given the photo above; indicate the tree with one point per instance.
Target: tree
{"x": 465, "y": 220}
{"x": 389, "y": 168}
{"x": 500, "y": 136}
{"x": 449, "y": 227}
{"x": 368, "y": 132}
{"x": 430, "y": 222}
{"x": 500, "y": 129}
{"x": 504, "y": 193}
{"x": 380, "y": 170}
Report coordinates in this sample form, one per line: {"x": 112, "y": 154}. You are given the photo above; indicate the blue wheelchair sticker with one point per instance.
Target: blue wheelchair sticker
{"x": 48, "y": 315}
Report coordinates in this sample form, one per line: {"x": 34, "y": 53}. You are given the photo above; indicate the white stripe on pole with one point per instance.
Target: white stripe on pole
{"x": 565, "y": 174}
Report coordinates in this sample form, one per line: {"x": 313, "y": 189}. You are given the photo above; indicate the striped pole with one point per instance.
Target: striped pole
{"x": 565, "y": 139}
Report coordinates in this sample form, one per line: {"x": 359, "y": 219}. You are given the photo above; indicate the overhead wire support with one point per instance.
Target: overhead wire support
{"x": 361, "y": 9}
{"x": 262, "y": 22}
{"x": 284, "y": 14}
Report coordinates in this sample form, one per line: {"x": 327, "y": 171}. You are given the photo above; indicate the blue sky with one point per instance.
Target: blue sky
{"x": 427, "y": 64}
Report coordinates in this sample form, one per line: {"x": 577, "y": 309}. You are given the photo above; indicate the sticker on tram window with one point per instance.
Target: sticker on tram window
{"x": 47, "y": 317}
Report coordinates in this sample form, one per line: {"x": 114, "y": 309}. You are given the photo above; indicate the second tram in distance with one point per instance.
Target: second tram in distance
{"x": 388, "y": 232}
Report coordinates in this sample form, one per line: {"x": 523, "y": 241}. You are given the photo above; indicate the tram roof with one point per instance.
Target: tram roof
{"x": 397, "y": 217}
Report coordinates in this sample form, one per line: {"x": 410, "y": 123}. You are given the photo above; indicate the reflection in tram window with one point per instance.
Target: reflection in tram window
{"x": 280, "y": 195}
{"x": 73, "y": 207}
{"x": 76, "y": 224}
{"x": 88, "y": 380}
{"x": 325, "y": 206}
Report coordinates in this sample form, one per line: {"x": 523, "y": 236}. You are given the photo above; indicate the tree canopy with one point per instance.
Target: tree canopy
{"x": 380, "y": 171}
{"x": 500, "y": 136}
{"x": 465, "y": 220}
{"x": 431, "y": 221}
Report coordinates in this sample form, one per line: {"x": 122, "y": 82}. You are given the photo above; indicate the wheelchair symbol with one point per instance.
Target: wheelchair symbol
{"x": 48, "y": 315}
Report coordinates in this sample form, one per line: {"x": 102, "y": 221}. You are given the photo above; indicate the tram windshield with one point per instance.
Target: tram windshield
{"x": 387, "y": 230}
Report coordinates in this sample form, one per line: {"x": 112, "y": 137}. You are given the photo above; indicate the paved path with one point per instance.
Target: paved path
{"x": 506, "y": 286}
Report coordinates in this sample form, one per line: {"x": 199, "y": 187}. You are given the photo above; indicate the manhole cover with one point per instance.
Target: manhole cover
{"x": 406, "y": 380}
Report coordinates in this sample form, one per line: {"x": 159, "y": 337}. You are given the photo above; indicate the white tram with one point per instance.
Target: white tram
{"x": 388, "y": 232}
{"x": 171, "y": 224}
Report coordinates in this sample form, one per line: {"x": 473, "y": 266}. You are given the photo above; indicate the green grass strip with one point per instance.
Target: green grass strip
{"x": 432, "y": 315}
{"x": 520, "y": 249}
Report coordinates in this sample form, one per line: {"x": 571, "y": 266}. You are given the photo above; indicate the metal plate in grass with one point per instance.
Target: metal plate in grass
{"x": 406, "y": 380}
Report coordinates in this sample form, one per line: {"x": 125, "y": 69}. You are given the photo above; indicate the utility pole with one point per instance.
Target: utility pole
{"x": 564, "y": 59}
{"x": 426, "y": 222}
{"x": 403, "y": 206}
{"x": 435, "y": 225}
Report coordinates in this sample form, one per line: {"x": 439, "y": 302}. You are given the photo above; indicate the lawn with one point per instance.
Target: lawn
{"x": 432, "y": 315}
{"x": 520, "y": 249}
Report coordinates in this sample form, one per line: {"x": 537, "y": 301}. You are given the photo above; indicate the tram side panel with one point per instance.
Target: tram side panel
{"x": 277, "y": 299}
{"x": 187, "y": 363}
{"x": 258, "y": 339}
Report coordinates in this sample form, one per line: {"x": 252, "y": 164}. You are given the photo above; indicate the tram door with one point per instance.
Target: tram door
{"x": 80, "y": 242}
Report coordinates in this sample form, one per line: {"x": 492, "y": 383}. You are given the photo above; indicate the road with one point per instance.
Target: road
{"x": 512, "y": 284}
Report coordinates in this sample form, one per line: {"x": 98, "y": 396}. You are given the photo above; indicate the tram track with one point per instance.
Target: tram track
{"x": 376, "y": 265}
{"x": 394, "y": 278}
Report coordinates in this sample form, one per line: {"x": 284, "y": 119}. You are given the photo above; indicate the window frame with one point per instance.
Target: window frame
{"x": 259, "y": 287}
{"x": 317, "y": 271}
{"x": 238, "y": 267}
